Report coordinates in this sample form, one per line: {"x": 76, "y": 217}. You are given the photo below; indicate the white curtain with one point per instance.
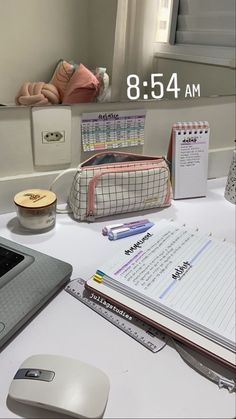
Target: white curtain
{"x": 133, "y": 48}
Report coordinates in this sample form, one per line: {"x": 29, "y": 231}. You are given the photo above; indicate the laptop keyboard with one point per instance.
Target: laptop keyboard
{"x": 8, "y": 260}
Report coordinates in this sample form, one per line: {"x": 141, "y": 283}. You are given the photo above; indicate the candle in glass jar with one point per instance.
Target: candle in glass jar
{"x": 36, "y": 208}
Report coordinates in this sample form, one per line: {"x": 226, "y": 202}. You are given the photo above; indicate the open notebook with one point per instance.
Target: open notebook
{"x": 180, "y": 280}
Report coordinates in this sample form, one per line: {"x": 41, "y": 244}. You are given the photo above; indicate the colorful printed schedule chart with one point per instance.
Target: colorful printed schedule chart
{"x": 108, "y": 130}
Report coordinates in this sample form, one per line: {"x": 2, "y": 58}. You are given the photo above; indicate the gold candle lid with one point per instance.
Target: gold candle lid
{"x": 35, "y": 198}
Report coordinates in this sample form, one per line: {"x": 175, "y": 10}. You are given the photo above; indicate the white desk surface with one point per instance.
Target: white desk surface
{"x": 143, "y": 384}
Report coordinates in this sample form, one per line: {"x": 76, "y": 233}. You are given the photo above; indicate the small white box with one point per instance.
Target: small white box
{"x": 188, "y": 154}
{"x": 51, "y": 127}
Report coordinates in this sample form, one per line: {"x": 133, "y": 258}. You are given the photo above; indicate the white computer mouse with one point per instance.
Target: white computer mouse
{"x": 61, "y": 384}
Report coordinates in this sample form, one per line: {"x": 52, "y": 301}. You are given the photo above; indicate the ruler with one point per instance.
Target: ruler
{"x": 148, "y": 336}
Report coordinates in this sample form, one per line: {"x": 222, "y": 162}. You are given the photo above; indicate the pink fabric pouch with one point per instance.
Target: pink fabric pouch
{"x": 83, "y": 87}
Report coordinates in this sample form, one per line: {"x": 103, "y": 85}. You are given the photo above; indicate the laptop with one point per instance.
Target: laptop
{"x": 28, "y": 281}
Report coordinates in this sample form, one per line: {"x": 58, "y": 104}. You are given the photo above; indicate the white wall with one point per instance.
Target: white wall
{"x": 101, "y": 33}
{"x": 35, "y": 35}
{"x": 17, "y": 169}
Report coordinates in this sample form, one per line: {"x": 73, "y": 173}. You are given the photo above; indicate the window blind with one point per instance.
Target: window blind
{"x": 206, "y": 22}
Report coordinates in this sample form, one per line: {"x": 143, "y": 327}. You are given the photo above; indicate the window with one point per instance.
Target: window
{"x": 197, "y": 30}
{"x": 164, "y": 20}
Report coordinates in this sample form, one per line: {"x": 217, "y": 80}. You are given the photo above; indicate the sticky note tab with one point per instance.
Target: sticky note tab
{"x": 98, "y": 276}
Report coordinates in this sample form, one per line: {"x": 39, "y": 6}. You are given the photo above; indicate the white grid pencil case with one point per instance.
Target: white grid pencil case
{"x": 112, "y": 183}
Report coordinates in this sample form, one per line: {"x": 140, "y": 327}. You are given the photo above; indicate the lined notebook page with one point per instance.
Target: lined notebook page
{"x": 183, "y": 271}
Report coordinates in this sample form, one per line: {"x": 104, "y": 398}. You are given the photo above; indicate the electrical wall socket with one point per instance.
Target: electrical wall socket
{"x": 53, "y": 137}
{"x": 51, "y": 129}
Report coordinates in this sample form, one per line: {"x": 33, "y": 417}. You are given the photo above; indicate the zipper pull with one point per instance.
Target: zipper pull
{"x": 90, "y": 217}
